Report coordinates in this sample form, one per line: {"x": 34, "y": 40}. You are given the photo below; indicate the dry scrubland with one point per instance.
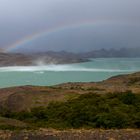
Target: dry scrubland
{"x": 22, "y": 119}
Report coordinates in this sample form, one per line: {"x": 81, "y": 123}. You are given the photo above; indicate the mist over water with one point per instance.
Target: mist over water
{"x": 46, "y": 75}
{"x": 58, "y": 68}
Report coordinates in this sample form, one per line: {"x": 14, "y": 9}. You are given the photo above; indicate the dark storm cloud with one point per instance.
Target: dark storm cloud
{"x": 20, "y": 18}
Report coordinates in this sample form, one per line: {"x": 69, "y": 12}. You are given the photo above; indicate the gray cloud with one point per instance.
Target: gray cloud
{"x": 19, "y": 19}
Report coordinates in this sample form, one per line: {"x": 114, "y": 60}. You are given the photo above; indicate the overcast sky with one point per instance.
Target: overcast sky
{"x": 117, "y": 23}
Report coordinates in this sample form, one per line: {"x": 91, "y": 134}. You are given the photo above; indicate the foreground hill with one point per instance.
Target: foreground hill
{"x": 27, "y": 97}
{"x": 79, "y": 111}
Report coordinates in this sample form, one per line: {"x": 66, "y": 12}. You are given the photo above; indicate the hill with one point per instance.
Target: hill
{"x": 107, "y": 110}
{"x": 27, "y": 97}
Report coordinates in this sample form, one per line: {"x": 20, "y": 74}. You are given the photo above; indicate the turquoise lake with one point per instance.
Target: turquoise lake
{"x": 46, "y": 75}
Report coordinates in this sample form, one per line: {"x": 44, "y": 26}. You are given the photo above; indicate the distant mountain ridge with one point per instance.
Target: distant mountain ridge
{"x": 108, "y": 53}
{"x": 63, "y": 57}
{"x": 19, "y": 59}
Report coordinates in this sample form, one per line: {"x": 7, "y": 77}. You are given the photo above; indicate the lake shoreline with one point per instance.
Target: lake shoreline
{"x": 95, "y": 70}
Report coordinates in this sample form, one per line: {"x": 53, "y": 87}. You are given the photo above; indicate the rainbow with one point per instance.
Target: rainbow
{"x": 34, "y": 36}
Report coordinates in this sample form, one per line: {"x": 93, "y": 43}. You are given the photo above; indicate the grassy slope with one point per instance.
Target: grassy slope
{"x": 26, "y": 97}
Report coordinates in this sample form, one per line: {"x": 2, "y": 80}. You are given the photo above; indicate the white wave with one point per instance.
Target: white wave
{"x": 57, "y": 68}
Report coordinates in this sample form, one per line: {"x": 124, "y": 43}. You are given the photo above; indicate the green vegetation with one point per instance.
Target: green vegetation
{"x": 117, "y": 110}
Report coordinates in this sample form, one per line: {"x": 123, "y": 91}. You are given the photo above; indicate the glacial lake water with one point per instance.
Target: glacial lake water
{"x": 96, "y": 70}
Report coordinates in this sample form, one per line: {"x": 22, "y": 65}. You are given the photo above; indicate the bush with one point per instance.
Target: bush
{"x": 118, "y": 110}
